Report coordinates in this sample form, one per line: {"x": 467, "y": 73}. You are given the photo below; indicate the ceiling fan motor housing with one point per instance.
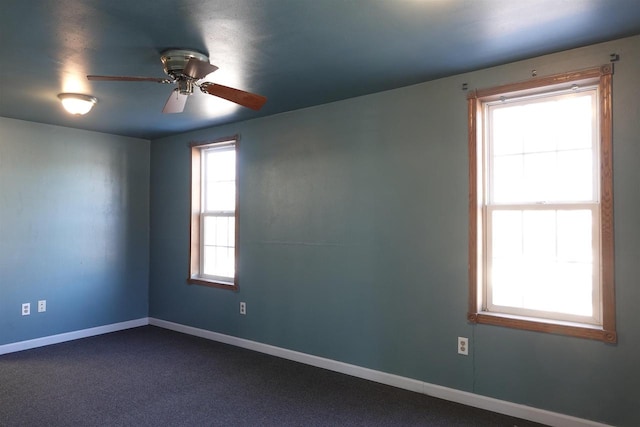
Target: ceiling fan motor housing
{"x": 185, "y": 86}
{"x": 174, "y": 60}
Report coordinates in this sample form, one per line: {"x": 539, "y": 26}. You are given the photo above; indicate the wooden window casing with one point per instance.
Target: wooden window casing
{"x": 602, "y": 77}
{"x": 196, "y": 244}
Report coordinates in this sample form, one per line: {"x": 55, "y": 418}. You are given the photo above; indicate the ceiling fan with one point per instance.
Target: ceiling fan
{"x": 185, "y": 68}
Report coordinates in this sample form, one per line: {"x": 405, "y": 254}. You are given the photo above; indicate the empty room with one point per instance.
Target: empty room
{"x": 330, "y": 212}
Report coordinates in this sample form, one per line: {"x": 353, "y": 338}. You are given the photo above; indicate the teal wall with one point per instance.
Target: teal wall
{"x": 74, "y": 229}
{"x": 353, "y": 243}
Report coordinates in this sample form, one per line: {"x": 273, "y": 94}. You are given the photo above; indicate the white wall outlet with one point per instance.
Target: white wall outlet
{"x": 243, "y": 308}
{"x": 26, "y": 309}
{"x": 463, "y": 346}
{"x": 42, "y": 306}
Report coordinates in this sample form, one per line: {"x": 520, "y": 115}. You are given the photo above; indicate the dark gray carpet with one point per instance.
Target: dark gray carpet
{"x": 154, "y": 377}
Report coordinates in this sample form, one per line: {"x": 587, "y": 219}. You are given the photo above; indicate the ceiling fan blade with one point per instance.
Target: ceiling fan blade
{"x": 198, "y": 69}
{"x": 127, "y": 79}
{"x": 246, "y": 99}
{"x": 175, "y": 103}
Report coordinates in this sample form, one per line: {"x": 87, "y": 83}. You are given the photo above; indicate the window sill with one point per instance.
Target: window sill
{"x": 580, "y": 330}
{"x": 212, "y": 283}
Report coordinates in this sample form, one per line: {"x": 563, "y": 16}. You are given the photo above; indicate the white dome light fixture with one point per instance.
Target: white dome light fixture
{"x": 76, "y": 103}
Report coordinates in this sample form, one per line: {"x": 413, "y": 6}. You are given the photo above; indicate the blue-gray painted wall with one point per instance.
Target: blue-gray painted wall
{"x": 353, "y": 243}
{"x": 74, "y": 229}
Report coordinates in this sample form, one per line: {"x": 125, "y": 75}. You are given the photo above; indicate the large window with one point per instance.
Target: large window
{"x": 213, "y": 214}
{"x": 541, "y": 231}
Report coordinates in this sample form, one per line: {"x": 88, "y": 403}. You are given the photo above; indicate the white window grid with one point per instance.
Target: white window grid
{"x": 205, "y": 213}
{"x": 591, "y": 204}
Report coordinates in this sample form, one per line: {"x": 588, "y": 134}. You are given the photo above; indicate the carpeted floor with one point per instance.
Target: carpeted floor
{"x": 149, "y": 376}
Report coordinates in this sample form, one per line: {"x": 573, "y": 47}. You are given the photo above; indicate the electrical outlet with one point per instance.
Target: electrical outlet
{"x": 243, "y": 308}
{"x": 26, "y": 309}
{"x": 42, "y": 306}
{"x": 463, "y": 346}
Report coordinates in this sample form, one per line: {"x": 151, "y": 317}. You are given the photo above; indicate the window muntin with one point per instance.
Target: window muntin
{"x": 532, "y": 154}
{"x": 540, "y": 263}
{"x": 536, "y": 171}
{"x": 217, "y": 218}
{"x": 213, "y": 214}
{"x": 541, "y": 230}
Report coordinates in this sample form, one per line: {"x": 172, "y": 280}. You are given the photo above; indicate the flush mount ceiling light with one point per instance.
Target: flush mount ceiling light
{"x": 76, "y": 103}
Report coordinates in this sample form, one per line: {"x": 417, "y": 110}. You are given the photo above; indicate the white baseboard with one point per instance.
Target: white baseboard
{"x": 450, "y": 394}
{"x": 70, "y": 336}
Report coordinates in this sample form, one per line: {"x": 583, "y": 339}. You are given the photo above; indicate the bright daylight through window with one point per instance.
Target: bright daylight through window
{"x": 541, "y": 249}
{"x": 213, "y": 214}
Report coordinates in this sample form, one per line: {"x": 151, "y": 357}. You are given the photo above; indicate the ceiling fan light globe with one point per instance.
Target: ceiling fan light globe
{"x": 77, "y": 104}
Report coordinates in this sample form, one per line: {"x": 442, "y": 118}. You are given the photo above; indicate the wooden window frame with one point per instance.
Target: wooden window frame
{"x": 602, "y": 77}
{"x": 195, "y": 277}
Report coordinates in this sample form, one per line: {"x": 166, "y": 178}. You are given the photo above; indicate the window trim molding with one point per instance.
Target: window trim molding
{"x": 194, "y": 222}
{"x": 602, "y": 76}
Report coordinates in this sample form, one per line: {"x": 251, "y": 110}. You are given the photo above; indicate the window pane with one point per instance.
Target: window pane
{"x": 506, "y": 234}
{"x": 539, "y": 177}
{"x": 539, "y": 280}
{"x": 575, "y": 236}
{"x": 578, "y": 129}
{"x": 220, "y": 196}
{"x": 539, "y": 235}
{"x": 221, "y": 164}
{"x": 219, "y": 231}
{"x": 575, "y": 175}
{"x": 507, "y": 180}
{"x": 541, "y": 128}
{"x": 219, "y": 241}
{"x": 542, "y": 150}
{"x": 219, "y": 182}
{"x": 506, "y": 283}
{"x": 219, "y": 261}
{"x": 542, "y": 260}
{"x": 543, "y": 286}
{"x": 573, "y": 294}
{"x": 507, "y": 131}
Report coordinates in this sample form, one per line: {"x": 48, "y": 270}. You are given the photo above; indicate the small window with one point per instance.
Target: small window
{"x": 541, "y": 231}
{"x": 214, "y": 230}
